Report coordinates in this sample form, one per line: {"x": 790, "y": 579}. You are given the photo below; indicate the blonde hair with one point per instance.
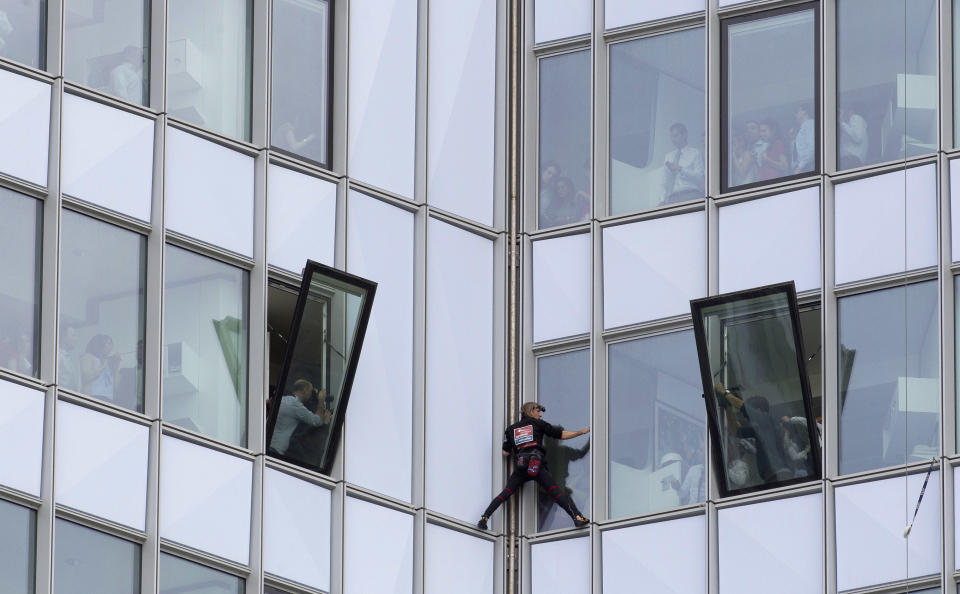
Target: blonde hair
{"x": 528, "y": 408}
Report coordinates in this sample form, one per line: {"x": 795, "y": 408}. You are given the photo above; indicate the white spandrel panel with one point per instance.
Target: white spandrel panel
{"x": 24, "y": 127}
{"x": 666, "y": 557}
{"x": 561, "y": 287}
{"x": 301, "y": 219}
{"x": 620, "y": 13}
{"x": 886, "y": 224}
{"x": 756, "y": 532}
{"x": 461, "y": 107}
{"x": 377, "y": 549}
{"x": 107, "y": 156}
{"x": 955, "y": 209}
{"x": 557, "y": 19}
{"x": 21, "y": 437}
{"x": 205, "y": 499}
{"x": 296, "y": 530}
{"x": 101, "y": 465}
{"x": 383, "y": 91}
{"x": 209, "y": 192}
{"x": 771, "y": 240}
{"x": 877, "y": 513}
{"x": 380, "y": 247}
{"x": 459, "y": 383}
{"x": 652, "y": 269}
{"x": 457, "y": 562}
{"x": 561, "y": 566}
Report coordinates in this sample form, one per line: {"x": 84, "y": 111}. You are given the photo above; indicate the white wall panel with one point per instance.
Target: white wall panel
{"x": 380, "y": 247}
{"x": 107, "y": 156}
{"x": 209, "y": 192}
{"x": 620, "y": 13}
{"x": 556, "y": 19}
{"x": 21, "y": 437}
{"x": 759, "y": 532}
{"x": 377, "y": 549}
{"x": 771, "y": 240}
{"x": 561, "y": 287}
{"x": 561, "y": 567}
{"x": 652, "y": 269}
{"x": 459, "y": 384}
{"x": 301, "y": 219}
{"x": 24, "y": 127}
{"x": 383, "y": 92}
{"x": 666, "y": 557}
{"x": 296, "y": 529}
{"x": 205, "y": 499}
{"x": 101, "y": 465}
{"x": 955, "y": 209}
{"x": 461, "y": 107}
{"x": 457, "y": 562}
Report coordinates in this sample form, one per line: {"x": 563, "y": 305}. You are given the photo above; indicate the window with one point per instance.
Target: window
{"x": 770, "y": 87}
{"x": 107, "y": 47}
{"x": 563, "y": 187}
{"x": 887, "y": 89}
{"x": 300, "y": 100}
{"x": 889, "y": 387}
{"x": 657, "y": 127}
{"x": 209, "y": 64}
{"x": 19, "y": 282}
{"x": 89, "y": 561}
{"x": 23, "y": 36}
{"x": 561, "y": 286}
{"x": 179, "y": 575}
{"x": 376, "y": 537}
{"x": 102, "y": 289}
{"x": 17, "y": 548}
{"x": 205, "y": 346}
{"x": 296, "y": 546}
{"x": 657, "y": 432}
{"x": 663, "y": 556}
{"x": 560, "y": 566}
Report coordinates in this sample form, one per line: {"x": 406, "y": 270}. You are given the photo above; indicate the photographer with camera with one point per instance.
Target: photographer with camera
{"x": 293, "y": 411}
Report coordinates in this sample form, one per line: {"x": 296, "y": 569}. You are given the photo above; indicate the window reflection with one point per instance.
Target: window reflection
{"x": 179, "y": 576}
{"x": 888, "y": 365}
{"x": 656, "y": 121}
{"x": 771, "y": 128}
{"x": 657, "y": 426}
{"x": 22, "y": 31}
{"x": 19, "y": 282}
{"x": 89, "y": 561}
{"x": 17, "y": 548}
{"x": 886, "y": 80}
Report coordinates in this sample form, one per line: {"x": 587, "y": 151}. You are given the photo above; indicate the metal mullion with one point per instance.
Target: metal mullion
{"x": 946, "y": 106}
{"x": 948, "y": 403}
{"x": 526, "y": 389}
{"x": 260, "y": 73}
{"x": 418, "y": 471}
{"x": 54, "y": 34}
{"x": 339, "y": 83}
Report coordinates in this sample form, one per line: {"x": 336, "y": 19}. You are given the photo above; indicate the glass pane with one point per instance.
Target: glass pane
{"x": 956, "y": 73}
{"x": 102, "y": 304}
{"x": 376, "y": 537}
{"x": 25, "y": 116}
{"x": 209, "y": 64}
{"x": 318, "y": 369}
{"x": 300, "y": 91}
{"x": 666, "y": 557}
{"x": 561, "y": 286}
{"x": 560, "y": 566}
{"x": 563, "y": 387}
{"x": 23, "y": 35}
{"x": 17, "y": 548}
{"x": 107, "y": 47}
{"x": 657, "y": 425}
{"x": 556, "y": 19}
{"x": 457, "y": 562}
{"x": 296, "y": 546}
{"x": 886, "y": 80}
{"x": 657, "y": 128}
{"x": 89, "y": 561}
{"x": 301, "y": 219}
{"x": 771, "y": 120}
{"x": 620, "y": 13}
{"x": 21, "y": 437}
{"x": 758, "y": 395}
{"x": 205, "y": 346}
{"x": 564, "y": 146}
{"x": 19, "y": 282}
{"x": 179, "y": 576}
{"x": 889, "y": 386}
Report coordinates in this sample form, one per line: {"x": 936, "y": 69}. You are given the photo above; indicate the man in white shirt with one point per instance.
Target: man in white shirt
{"x": 803, "y": 143}
{"x": 853, "y": 139}
{"x": 293, "y": 412}
{"x": 682, "y": 169}
{"x": 126, "y": 79}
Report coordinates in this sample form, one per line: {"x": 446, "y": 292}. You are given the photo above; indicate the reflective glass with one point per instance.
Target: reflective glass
{"x": 956, "y": 74}
{"x": 205, "y": 346}
{"x": 296, "y": 545}
{"x": 561, "y": 286}
{"x": 209, "y": 64}
{"x": 457, "y": 562}
{"x": 300, "y": 84}
{"x": 301, "y": 219}
{"x": 102, "y": 302}
{"x": 377, "y": 549}
{"x": 560, "y": 567}
{"x": 17, "y": 548}
{"x": 889, "y": 380}
{"x": 771, "y": 127}
{"x": 556, "y": 19}
{"x": 107, "y": 47}
{"x": 657, "y": 130}
{"x": 563, "y": 387}
{"x": 25, "y": 116}
{"x": 21, "y": 437}
{"x": 86, "y": 560}
{"x": 657, "y": 425}
{"x": 19, "y": 282}
{"x": 665, "y": 557}
{"x": 178, "y": 576}
{"x": 563, "y": 187}
{"x": 23, "y": 35}
{"x": 887, "y": 90}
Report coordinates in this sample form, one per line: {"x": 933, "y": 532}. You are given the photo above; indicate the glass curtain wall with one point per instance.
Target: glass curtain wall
{"x": 89, "y": 561}
{"x": 23, "y": 35}
{"x": 17, "y": 548}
